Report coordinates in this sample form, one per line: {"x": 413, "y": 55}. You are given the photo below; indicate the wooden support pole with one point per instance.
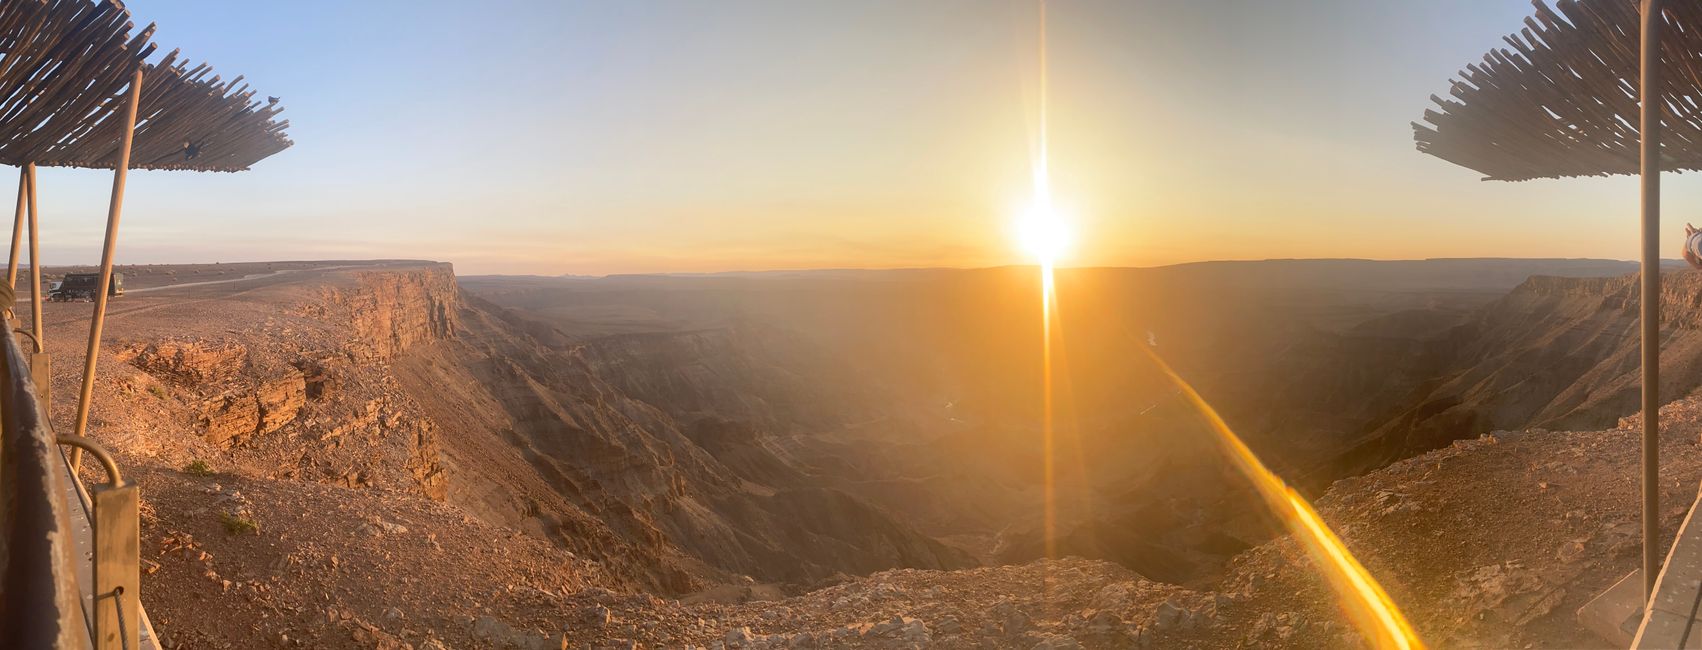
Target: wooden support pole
{"x": 112, "y": 213}
{"x": 17, "y": 227}
{"x": 41, "y": 363}
{"x": 1649, "y": 128}
{"x": 35, "y": 266}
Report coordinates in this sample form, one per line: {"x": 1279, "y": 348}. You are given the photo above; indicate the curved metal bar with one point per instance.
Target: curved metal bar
{"x": 100, "y": 453}
{"x": 30, "y": 334}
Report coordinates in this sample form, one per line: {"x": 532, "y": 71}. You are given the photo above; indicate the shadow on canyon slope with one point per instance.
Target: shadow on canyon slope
{"x": 916, "y": 391}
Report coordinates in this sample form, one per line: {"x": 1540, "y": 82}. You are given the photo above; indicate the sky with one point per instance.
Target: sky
{"x": 601, "y": 136}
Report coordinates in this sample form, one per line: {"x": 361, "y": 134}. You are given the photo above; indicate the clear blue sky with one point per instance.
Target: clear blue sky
{"x": 618, "y": 136}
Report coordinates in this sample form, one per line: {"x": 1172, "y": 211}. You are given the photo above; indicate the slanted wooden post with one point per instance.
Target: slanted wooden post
{"x": 112, "y": 213}
{"x": 17, "y": 227}
{"x": 41, "y": 363}
{"x": 1649, "y": 129}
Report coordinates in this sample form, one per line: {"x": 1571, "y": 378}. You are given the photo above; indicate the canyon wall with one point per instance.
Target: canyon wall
{"x": 1555, "y": 353}
{"x": 624, "y": 435}
{"x": 389, "y": 379}
{"x": 388, "y": 313}
{"x": 679, "y": 459}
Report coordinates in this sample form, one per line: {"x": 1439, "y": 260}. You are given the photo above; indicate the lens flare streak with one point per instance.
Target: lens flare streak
{"x": 1357, "y": 592}
{"x": 1049, "y": 505}
{"x": 1043, "y": 234}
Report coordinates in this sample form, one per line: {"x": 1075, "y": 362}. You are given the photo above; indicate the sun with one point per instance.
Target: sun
{"x": 1043, "y": 232}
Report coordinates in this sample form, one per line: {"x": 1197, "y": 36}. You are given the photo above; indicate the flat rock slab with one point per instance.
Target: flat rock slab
{"x": 1616, "y": 614}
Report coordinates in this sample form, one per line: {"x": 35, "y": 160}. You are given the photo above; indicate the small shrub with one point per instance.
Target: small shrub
{"x": 238, "y": 524}
{"x": 157, "y": 390}
{"x": 198, "y": 467}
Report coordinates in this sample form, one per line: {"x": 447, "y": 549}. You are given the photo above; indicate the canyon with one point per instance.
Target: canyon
{"x": 801, "y": 458}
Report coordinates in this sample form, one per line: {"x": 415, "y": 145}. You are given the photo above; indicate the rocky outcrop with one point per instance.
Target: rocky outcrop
{"x": 234, "y": 395}
{"x": 279, "y": 398}
{"x": 309, "y": 397}
{"x": 188, "y": 363}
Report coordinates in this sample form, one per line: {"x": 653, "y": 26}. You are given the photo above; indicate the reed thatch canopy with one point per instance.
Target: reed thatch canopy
{"x": 1561, "y": 100}
{"x": 65, "y": 70}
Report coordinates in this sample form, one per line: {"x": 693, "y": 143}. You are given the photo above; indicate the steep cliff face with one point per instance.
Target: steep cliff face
{"x": 602, "y": 440}
{"x": 388, "y": 312}
{"x": 1555, "y": 353}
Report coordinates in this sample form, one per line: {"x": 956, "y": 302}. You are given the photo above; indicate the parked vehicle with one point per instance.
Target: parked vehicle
{"x": 81, "y": 286}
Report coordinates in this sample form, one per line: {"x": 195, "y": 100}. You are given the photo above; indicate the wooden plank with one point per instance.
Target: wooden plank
{"x": 1667, "y": 616}
{"x": 117, "y": 576}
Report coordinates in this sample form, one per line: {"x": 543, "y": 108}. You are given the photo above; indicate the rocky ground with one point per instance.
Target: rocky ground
{"x": 292, "y": 500}
{"x": 1472, "y": 567}
{"x": 1493, "y": 542}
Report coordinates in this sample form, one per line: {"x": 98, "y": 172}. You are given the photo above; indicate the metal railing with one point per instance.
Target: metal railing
{"x": 69, "y": 574}
{"x": 39, "y": 601}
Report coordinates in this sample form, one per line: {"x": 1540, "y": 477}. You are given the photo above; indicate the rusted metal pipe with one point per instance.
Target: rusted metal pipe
{"x": 1649, "y": 128}
{"x": 113, "y": 477}
{"x": 101, "y": 291}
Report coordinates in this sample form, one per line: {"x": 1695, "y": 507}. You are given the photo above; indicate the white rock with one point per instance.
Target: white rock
{"x": 738, "y": 637}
